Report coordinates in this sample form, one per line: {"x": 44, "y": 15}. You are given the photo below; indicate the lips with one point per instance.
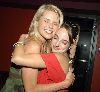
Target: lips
{"x": 56, "y": 48}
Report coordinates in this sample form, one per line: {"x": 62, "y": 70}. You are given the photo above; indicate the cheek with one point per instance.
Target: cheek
{"x": 52, "y": 44}
{"x": 41, "y": 24}
{"x": 56, "y": 29}
{"x": 64, "y": 48}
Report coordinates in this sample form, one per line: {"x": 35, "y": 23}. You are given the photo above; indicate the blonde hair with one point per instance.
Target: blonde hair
{"x": 33, "y": 29}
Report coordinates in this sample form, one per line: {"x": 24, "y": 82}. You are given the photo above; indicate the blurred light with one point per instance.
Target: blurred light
{"x": 84, "y": 45}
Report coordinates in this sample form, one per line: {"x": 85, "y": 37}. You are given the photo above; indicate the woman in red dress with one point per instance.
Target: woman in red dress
{"x": 54, "y": 66}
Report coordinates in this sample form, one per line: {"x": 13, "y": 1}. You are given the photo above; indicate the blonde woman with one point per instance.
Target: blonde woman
{"x": 54, "y": 66}
{"x": 45, "y": 23}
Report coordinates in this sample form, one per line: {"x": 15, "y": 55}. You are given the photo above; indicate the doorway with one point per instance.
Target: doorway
{"x": 85, "y": 53}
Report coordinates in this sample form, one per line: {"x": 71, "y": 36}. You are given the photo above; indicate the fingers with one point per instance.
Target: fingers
{"x": 70, "y": 73}
{"x": 71, "y": 77}
{"x": 71, "y": 69}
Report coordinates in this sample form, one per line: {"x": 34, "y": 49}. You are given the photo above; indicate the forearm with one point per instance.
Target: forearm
{"x": 29, "y": 77}
{"x": 22, "y": 58}
{"x": 56, "y": 86}
{"x": 50, "y": 87}
{"x": 30, "y": 82}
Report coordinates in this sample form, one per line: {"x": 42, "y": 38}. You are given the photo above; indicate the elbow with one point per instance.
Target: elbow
{"x": 15, "y": 60}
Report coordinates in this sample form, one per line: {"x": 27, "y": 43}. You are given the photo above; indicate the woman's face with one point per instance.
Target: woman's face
{"x": 48, "y": 24}
{"x": 60, "y": 41}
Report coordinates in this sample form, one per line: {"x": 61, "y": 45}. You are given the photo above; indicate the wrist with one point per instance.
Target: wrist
{"x": 64, "y": 84}
{"x": 67, "y": 83}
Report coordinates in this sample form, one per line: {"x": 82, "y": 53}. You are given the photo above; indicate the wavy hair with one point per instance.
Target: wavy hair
{"x": 33, "y": 29}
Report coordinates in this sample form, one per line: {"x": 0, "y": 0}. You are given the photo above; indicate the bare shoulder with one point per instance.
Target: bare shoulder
{"x": 62, "y": 57}
{"x": 64, "y": 61}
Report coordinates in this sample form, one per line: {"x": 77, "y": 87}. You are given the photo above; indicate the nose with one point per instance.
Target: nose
{"x": 50, "y": 25}
{"x": 57, "y": 44}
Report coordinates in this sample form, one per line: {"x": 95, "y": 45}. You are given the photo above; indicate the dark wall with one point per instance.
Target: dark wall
{"x": 13, "y": 22}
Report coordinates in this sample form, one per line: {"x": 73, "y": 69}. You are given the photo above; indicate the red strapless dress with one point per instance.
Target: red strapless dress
{"x": 53, "y": 72}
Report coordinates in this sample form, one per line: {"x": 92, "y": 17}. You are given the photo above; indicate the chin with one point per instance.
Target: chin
{"x": 57, "y": 51}
{"x": 48, "y": 37}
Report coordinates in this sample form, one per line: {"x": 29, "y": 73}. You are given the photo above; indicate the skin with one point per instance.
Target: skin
{"x": 48, "y": 25}
{"x": 60, "y": 41}
{"x": 60, "y": 44}
{"x": 60, "y": 37}
{"x": 29, "y": 75}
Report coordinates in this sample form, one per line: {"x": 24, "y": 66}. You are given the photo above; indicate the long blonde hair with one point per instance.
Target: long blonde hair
{"x": 33, "y": 29}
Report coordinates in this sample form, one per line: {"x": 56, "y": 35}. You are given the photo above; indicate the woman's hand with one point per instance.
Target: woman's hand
{"x": 69, "y": 78}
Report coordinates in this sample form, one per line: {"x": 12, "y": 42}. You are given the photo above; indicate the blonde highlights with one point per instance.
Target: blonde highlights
{"x": 33, "y": 29}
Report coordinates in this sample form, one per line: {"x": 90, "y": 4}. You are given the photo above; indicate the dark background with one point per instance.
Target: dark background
{"x": 15, "y": 18}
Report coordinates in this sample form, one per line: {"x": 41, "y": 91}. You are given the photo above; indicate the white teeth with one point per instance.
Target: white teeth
{"x": 48, "y": 31}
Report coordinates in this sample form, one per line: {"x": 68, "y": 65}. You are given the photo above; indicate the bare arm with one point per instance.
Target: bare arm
{"x": 41, "y": 87}
{"x": 48, "y": 87}
{"x": 26, "y": 57}
{"x": 51, "y": 87}
{"x": 29, "y": 60}
{"x": 34, "y": 87}
{"x": 29, "y": 76}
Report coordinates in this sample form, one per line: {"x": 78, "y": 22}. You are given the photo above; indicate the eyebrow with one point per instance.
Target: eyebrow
{"x": 56, "y": 35}
{"x": 49, "y": 19}
{"x": 63, "y": 39}
{"x": 46, "y": 18}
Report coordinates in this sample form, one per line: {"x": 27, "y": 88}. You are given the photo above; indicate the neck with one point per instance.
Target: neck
{"x": 41, "y": 38}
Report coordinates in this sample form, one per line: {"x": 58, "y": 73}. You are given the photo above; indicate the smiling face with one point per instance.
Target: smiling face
{"x": 48, "y": 24}
{"x": 60, "y": 42}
